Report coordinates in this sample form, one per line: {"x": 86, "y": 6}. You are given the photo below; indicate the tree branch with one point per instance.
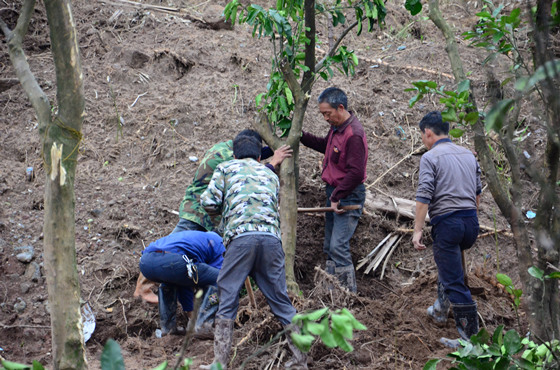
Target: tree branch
{"x": 37, "y": 97}
{"x": 335, "y": 46}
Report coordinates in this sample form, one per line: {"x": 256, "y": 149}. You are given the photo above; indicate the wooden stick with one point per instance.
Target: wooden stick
{"x": 250, "y": 292}
{"x": 395, "y": 165}
{"x": 328, "y": 209}
{"x": 389, "y": 256}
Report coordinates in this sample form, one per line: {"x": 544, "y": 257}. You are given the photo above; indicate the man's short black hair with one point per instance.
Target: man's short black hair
{"x": 251, "y": 133}
{"x": 334, "y": 97}
{"x": 434, "y": 122}
{"x": 245, "y": 146}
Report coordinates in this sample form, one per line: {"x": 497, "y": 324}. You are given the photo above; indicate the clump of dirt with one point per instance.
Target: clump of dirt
{"x": 178, "y": 87}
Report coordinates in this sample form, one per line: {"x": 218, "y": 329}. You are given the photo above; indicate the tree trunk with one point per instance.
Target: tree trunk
{"x": 60, "y": 137}
{"x": 60, "y": 150}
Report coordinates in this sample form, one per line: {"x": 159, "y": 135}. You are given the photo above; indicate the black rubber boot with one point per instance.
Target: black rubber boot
{"x": 439, "y": 311}
{"x": 347, "y": 277}
{"x": 167, "y": 302}
{"x": 466, "y": 321}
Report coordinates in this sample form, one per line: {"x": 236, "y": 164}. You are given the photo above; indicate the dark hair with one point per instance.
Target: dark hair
{"x": 251, "y": 133}
{"x": 246, "y": 147}
{"x": 434, "y": 122}
{"x": 334, "y": 97}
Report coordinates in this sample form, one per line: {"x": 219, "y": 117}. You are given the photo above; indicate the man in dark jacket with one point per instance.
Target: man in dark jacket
{"x": 344, "y": 171}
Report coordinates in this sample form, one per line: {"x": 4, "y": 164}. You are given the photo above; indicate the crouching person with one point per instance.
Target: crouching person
{"x": 246, "y": 194}
{"x": 181, "y": 262}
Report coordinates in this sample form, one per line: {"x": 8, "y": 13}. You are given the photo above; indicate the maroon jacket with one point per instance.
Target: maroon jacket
{"x": 346, "y": 152}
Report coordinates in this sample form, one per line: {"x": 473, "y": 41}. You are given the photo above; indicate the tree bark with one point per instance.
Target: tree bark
{"x": 60, "y": 137}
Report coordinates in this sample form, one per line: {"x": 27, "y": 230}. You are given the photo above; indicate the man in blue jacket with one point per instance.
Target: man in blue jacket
{"x": 181, "y": 262}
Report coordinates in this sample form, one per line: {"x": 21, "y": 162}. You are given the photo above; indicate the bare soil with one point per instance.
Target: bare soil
{"x": 180, "y": 87}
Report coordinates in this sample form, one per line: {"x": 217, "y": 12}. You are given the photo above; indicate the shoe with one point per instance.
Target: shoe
{"x": 223, "y": 336}
{"x": 347, "y": 277}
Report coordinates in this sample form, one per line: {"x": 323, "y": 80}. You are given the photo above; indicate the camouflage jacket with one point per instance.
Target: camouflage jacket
{"x": 190, "y": 208}
{"x": 246, "y": 193}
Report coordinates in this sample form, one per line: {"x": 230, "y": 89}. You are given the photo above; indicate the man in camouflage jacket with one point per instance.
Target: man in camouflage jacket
{"x": 245, "y": 192}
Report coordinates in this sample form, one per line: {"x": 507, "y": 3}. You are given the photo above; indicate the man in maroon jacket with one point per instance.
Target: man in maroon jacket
{"x": 344, "y": 171}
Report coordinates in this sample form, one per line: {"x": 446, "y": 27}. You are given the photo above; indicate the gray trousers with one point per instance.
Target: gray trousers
{"x": 260, "y": 256}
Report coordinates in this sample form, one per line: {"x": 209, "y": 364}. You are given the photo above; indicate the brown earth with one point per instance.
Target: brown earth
{"x": 181, "y": 86}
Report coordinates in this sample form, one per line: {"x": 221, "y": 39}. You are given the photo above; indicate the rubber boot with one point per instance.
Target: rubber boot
{"x": 223, "y": 336}
{"x": 330, "y": 267}
{"x": 439, "y": 311}
{"x": 299, "y": 359}
{"x": 144, "y": 290}
{"x": 347, "y": 277}
{"x": 168, "y": 311}
{"x": 466, "y": 321}
{"x": 203, "y": 328}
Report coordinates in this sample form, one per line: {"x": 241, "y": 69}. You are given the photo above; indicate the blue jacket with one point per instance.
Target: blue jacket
{"x": 200, "y": 246}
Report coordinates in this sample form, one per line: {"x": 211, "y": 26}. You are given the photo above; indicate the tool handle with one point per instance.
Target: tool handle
{"x": 328, "y": 209}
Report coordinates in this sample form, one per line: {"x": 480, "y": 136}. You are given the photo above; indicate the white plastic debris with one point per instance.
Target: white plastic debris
{"x": 192, "y": 158}
{"x": 89, "y": 321}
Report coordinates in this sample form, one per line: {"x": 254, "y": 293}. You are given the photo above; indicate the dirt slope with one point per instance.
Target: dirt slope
{"x": 180, "y": 87}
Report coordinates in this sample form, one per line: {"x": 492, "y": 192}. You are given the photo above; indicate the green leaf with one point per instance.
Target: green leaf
{"x": 342, "y": 343}
{"x": 504, "y": 280}
{"x": 496, "y": 115}
{"x": 289, "y": 96}
{"x": 111, "y": 358}
{"x": 456, "y": 132}
{"x": 342, "y": 325}
{"x": 315, "y": 328}
{"x": 449, "y": 115}
{"x": 464, "y": 85}
{"x": 550, "y": 69}
{"x": 355, "y": 323}
{"x": 327, "y": 336}
{"x": 512, "y": 342}
{"x": 9, "y": 365}
{"x": 302, "y": 342}
{"x": 317, "y": 314}
{"x": 536, "y": 272}
{"x": 413, "y": 6}
{"x": 472, "y": 117}
{"x": 37, "y": 365}
{"x": 431, "y": 365}
{"x": 553, "y": 275}
{"x": 161, "y": 366}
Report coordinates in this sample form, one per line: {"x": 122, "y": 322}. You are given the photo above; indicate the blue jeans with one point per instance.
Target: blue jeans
{"x": 451, "y": 236}
{"x": 170, "y": 269}
{"x": 260, "y": 256}
{"x": 340, "y": 228}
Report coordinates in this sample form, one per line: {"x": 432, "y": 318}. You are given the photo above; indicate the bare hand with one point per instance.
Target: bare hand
{"x": 280, "y": 154}
{"x": 338, "y": 211}
{"x": 417, "y": 241}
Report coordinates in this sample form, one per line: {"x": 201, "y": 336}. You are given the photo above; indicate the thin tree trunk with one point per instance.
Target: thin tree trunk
{"x": 64, "y": 133}
{"x": 60, "y": 138}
